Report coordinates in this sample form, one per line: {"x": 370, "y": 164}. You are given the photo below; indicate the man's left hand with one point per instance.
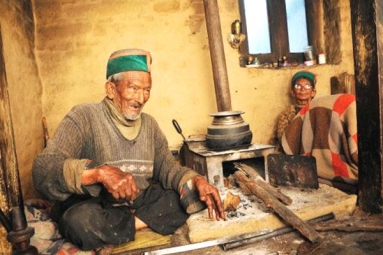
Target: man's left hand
{"x": 210, "y": 195}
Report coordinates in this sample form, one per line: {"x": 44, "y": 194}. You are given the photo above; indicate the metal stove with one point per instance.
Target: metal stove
{"x": 211, "y": 163}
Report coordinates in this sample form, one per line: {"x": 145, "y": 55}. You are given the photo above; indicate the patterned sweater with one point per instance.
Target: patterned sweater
{"x": 88, "y": 133}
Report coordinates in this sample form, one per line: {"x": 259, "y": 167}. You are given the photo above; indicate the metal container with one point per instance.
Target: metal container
{"x": 228, "y": 130}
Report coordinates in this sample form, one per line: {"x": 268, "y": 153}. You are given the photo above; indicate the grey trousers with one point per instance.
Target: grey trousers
{"x": 95, "y": 222}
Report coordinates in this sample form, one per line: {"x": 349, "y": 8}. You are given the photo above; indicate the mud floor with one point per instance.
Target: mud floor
{"x": 292, "y": 243}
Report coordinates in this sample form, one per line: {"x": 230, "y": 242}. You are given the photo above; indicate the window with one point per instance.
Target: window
{"x": 296, "y": 25}
{"x": 277, "y": 28}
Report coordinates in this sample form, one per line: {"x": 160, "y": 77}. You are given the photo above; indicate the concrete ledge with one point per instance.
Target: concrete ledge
{"x": 307, "y": 204}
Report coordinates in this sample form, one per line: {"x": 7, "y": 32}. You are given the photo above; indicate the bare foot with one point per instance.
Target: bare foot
{"x": 139, "y": 223}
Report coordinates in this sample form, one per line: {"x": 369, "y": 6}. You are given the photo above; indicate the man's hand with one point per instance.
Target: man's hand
{"x": 210, "y": 195}
{"x": 121, "y": 185}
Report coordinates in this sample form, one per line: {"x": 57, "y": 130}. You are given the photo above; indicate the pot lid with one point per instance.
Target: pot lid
{"x": 227, "y": 113}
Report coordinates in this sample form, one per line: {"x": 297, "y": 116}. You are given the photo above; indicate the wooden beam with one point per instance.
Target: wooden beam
{"x": 9, "y": 177}
{"x": 370, "y": 223}
{"x": 367, "y": 42}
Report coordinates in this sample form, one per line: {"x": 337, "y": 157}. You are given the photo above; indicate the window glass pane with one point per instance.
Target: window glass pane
{"x": 296, "y": 25}
{"x": 257, "y": 24}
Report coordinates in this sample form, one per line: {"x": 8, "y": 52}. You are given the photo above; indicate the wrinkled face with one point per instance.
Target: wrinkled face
{"x": 303, "y": 92}
{"x": 131, "y": 93}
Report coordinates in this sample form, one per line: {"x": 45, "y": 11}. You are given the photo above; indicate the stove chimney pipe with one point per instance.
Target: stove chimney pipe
{"x": 221, "y": 84}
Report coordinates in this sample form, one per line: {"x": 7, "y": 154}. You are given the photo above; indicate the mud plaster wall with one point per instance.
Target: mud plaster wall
{"x": 73, "y": 40}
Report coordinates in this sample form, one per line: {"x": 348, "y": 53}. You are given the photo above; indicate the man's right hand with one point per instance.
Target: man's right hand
{"x": 121, "y": 185}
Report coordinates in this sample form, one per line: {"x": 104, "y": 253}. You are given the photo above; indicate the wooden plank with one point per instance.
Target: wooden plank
{"x": 371, "y": 223}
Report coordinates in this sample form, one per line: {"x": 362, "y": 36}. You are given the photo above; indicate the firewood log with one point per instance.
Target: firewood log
{"x": 279, "y": 208}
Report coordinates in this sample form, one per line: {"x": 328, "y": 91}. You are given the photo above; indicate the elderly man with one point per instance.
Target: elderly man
{"x": 109, "y": 169}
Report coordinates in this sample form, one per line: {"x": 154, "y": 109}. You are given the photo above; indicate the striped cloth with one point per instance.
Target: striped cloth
{"x": 327, "y": 130}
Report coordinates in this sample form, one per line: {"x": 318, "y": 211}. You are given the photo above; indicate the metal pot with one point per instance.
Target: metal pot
{"x": 228, "y": 130}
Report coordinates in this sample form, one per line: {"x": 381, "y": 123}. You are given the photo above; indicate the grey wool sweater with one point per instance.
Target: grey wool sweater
{"x": 88, "y": 133}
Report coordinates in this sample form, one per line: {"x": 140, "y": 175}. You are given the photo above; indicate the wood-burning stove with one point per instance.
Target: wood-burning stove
{"x": 211, "y": 163}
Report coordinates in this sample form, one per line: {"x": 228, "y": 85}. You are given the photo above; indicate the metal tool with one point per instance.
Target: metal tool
{"x": 292, "y": 170}
{"x": 178, "y": 128}
{"x": 232, "y": 242}
{"x": 188, "y": 247}
{"x": 280, "y": 231}
{"x": 201, "y": 245}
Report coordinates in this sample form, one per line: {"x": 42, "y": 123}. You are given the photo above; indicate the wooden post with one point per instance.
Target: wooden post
{"x": 19, "y": 233}
{"x": 367, "y": 43}
{"x": 7, "y": 145}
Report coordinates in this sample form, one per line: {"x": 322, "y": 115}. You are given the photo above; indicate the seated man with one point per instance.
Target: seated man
{"x": 109, "y": 169}
{"x": 302, "y": 92}
{"x": 326, "y": 128}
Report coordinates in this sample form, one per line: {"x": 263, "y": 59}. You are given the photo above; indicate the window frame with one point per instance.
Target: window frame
{"x": 278, "y": 29}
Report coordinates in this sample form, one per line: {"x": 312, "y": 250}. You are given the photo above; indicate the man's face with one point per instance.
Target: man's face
{"x": 303, "y": 92}
{"x": 131, "y": 93}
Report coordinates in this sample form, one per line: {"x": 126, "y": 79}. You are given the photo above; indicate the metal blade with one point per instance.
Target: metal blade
{"x": 201, "y": 245}
{"x": 232, "y": 241}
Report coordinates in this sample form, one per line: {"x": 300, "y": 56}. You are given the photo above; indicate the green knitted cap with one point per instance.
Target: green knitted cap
{"x": 304, "y": 74}
{"x": 128, "y": 60}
